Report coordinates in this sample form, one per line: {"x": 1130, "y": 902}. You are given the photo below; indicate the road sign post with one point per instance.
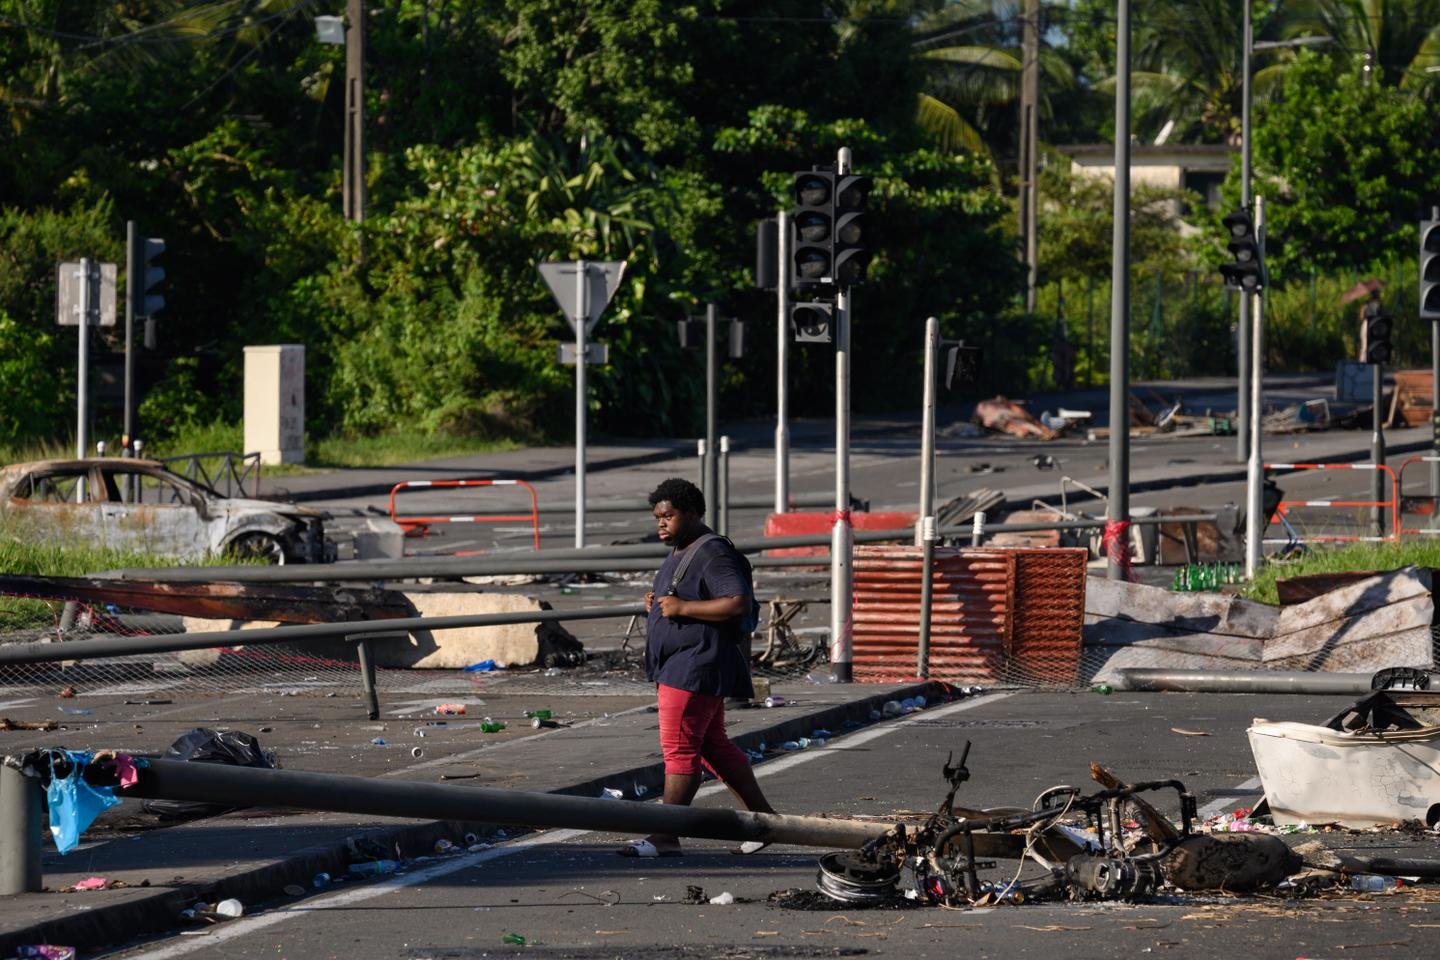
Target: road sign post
{"x": 582, "y": 289}
{"x": 782, "y": 362}
{"x": 85, "y": 297}
{"x": 842, "y": 539}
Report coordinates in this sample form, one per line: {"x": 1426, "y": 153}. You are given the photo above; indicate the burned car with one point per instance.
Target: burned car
{"x": 139, "y": 505}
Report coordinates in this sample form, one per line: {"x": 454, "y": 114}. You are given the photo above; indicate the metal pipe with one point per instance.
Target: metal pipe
{"x": 40, "y": 652}
{"x": 1119, "y": 503}
{"x": 842, "y": 537}
{"x": 214, "y": 783}
{"x": 82, "y": 376}
{"x": 1377, "y": 445}
{"x": 723, "y": 489}
{"x": 1242, "y": 416}
{"x": 737, "y": 502}
{"x": 595, "y": 560}
{"x": 582, "y": 320}
{"x": 132, "y": 238}
{"x": 927, "y": 431}
{"x": 927, "y": 591}
{"x": 20, "y": 833}
{"x": 782, "y": 366}
{"x": 712, "y": 376}
{"x": 1255, "y": 524}
{"x": 1242, "y": 681}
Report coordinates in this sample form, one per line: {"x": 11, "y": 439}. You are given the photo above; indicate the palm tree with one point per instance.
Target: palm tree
{"x": 1397, "y": 39}
{"x": 981, "y": 73}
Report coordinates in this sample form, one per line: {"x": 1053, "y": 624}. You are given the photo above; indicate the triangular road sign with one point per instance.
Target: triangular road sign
{"x": 602, "y": 279}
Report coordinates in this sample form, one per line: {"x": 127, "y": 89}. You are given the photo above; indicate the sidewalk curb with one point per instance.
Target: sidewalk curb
{"x": 121, "y": 922}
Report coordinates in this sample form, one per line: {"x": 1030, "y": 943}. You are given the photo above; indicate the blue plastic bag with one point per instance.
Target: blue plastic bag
{"x": 484, "y": 666}
{"x": 73, "y": 803}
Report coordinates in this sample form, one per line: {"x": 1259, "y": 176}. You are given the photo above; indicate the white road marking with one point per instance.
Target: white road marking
{"x": 1217, "y": 806}
{"x": 244, "y": 926}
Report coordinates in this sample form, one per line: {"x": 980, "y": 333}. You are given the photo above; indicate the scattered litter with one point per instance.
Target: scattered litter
{"x": 67, "y": 692}
{"x": 544, "y": 723}
{"x": 610, "y": 793}
{"x": 723, "y": 899}
{"x": 44, "y": 951}
{"x": 92, "y": 883}
{"x": 375, "y": 867}
{"x": 445, "y": 846}
{"x": 774, "y": 701}
{"x": 450, "y": 709}
{"x": 1189, "y": 733}
{"x": 489, "y": 725}
{"x": 148, "y": 703}
{"x": 230, "y": 908}
{"x": 470, "y": 838}
{"x": 484, "y": 666}
{"x": 76, "y": 711}
{"x": 515, "y": 939}
{"x": 1370, "y": 883}
{"x": 477, "y": 847}
{"x": 694, "y": 894}
{"x": 378, "y": 741}
{"x": 417, "y": 752}
{"x": 321, "y": 881}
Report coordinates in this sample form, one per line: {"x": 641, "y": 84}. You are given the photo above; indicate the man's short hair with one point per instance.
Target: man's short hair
{"x": 682, "y": 494}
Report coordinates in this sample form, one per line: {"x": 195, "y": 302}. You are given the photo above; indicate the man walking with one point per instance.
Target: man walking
{"x": 694, "y": 652}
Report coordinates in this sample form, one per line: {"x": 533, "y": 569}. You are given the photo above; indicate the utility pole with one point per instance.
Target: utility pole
{"x": 354, "y": 172}
{"x": 1029, "y": 142}
{"x": 1242, "y": 416}
{"x": 782, "y": 363}
{"x": 842, "y": 539}
{"x": 1117, "y": 516}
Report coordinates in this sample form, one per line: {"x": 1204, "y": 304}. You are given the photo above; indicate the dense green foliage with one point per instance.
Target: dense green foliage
{"x": 506, "y": 132}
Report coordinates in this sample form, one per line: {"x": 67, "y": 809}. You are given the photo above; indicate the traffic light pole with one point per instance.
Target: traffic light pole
{"x": 1117, "y": 515}
{"x": 1434, "y": 387}
{"x": 927, "y": 431}
{"x": 1377, "y": 444}
{"x": 782, "y": 363}
{"x": 131, "y": 239}
{"x": 842, "y": 539}
{"x": 711, "y": 486}
{"x": 1255, "y": 521}
{"x": 1242, "y": 418}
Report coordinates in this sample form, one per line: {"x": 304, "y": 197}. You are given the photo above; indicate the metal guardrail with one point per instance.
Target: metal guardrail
{"x": 587, "y": 560}
{"x": 230, "y": 477}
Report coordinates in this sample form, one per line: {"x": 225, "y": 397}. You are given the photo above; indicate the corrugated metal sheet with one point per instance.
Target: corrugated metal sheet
{"x": 996, "y": 614}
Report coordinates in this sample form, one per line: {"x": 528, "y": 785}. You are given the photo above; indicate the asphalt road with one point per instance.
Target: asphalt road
{"x": 570, "y": 896}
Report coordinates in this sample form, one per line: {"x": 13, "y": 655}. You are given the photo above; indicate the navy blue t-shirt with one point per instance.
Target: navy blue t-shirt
{"x": 697, "y": 655}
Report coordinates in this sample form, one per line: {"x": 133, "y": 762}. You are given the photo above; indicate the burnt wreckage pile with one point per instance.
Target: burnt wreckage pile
{"x": 1077, "y": 846}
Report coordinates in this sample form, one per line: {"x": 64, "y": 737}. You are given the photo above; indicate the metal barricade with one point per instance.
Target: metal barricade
{"x": 234, "y": 474}
{"x": 1420, "y": 506}
{"x": 418, "y": 526}
{"x": 1285, "y": 506}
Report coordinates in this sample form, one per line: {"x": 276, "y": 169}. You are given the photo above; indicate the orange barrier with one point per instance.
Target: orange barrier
{"x": 419, "y": 526}
{"x": 1393, "y": 504}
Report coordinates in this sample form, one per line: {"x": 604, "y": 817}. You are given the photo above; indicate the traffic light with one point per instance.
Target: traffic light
{"x": 692, "y": 333}
{"x": 1247, "y": 273}
{"x": 1375, "y": 337}
{"x": 142, "y": 276}
{"x": 812, "y": 251}
{"x": 811, "y": 322}
{"x": 767, "y": 235}
{"x": 1430, "y": 269}
{"x": 852, "y": 253}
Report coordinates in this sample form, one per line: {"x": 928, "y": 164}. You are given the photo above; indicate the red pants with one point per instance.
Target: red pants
{"x": 692, "y": 734}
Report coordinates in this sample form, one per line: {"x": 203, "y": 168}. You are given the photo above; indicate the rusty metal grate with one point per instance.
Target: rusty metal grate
{"x": 998, "y": 614}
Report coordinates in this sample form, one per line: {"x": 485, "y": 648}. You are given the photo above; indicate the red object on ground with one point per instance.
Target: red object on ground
{"x": 815, "y": 523}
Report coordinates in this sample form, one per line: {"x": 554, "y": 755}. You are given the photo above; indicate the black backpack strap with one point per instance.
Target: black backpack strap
{"x": 687, "y": 559}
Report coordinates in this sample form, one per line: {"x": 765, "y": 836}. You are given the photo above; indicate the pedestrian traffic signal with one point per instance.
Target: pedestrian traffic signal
{"x": 1375, "y": 335}
{"x": 1430, "y": 269}
{"x": 812, "y": 252}
{"x": 811, "y": 323}
{"x": 767, "y": 274}
{"x": 851, "y": 241}
{"x": 1247, "y": 273}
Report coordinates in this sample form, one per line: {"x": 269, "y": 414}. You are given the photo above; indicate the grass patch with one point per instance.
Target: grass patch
{"x": 22, "y": 555}
{"x": 398, "y": 446}
{"x": 1355, "y": 556}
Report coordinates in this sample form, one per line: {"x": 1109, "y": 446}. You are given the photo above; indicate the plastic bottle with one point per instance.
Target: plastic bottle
{"x": 790, "y": 745}
{"x": 321, "y": 880}
{"x": 514, "y": 938}
{"x": 491, "y": 726}
{"x": 76, "y": 711}
{"x": 1102, "y": 688}
{"x": 545, "y": 714}
{"x": 375, "y": 867}
{"x": 892, "y": 708}
{"x": 1373, "y": 883}
{"x": 774, "y": 701}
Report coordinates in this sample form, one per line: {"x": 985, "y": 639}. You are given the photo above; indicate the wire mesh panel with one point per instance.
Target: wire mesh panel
{"x": 1047, "y": 615}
